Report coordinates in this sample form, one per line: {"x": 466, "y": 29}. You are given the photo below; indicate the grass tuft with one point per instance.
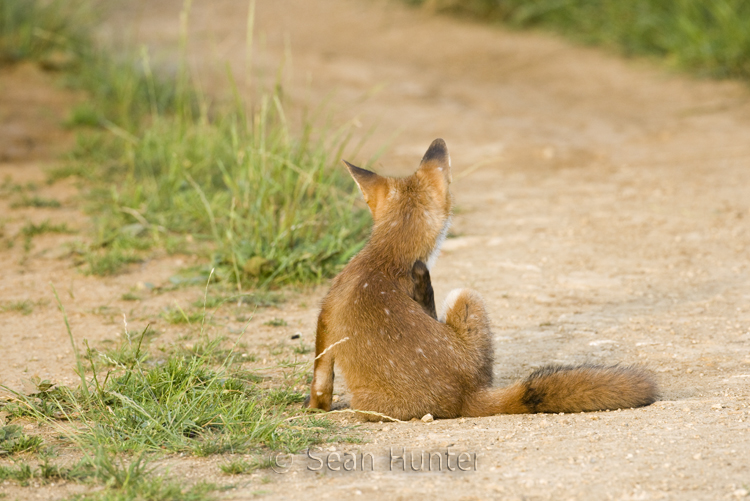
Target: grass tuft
{"x": 25, "y": 307}
{"x": 13, "y": 440}
{"x": 168, "y": 168}
{"x": 31, "y": 230}
{"x": 124, "y": 480}
{"x": 243, "y": 467}
{"x": 49, "y": 32}
{"x": 273, "y": 209}
{"x": 705, "y": 37}
{"x": 176, "y": 315}
{"x": 131, "y": 408}
{"x": 260, "y": 298}
{"x": 37, "y": 202}
{"x": 194, "y": 402}
{"x": 111, "y": 261}
{"x": 276, "y": 322}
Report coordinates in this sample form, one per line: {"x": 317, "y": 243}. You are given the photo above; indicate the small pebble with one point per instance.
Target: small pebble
{"x": 427, "y": 418}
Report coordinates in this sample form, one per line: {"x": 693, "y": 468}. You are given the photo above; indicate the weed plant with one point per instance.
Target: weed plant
{"x": 195, "y": 401}
{"x": 123, "y": 481}
{"x": 169, "y": 168}
{"x": 129, "y": 407}
{"x": 36, "y": 201}
{"x": 13, "y": 440}
{"x": 271, "y": 206}
{"x": 30, "y": 229}
{"x": 707, "y": 37}
{"x": 32, "y": 29}
{"x": 25, "y": 307}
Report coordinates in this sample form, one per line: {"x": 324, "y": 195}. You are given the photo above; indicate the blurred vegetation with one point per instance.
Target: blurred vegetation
{"x": 166, "y": 167}
{"x": 706, "y": 37}
{"x": 31, "y": 29}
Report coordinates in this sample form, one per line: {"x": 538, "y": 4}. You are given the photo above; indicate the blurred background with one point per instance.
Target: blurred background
{"x": 173, "y": 169}
{"x": 173, "y": 84}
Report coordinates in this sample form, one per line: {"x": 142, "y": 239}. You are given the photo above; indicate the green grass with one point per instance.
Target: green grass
{"x": 276, "y": 322}
{"x": 258, "y": 298}
{"x": 31, "y": 230}
{"x": 25, "y": 307}
{"x": 273, "y": 208}
{"x": 21, "y": 473}
{"x": 243, "y": 467}
{"x": 165, "y": 167}
{"x": 130, "y": 408}
{"x": 130, "y": 296}
{"x": 176, "y": 315}
{"x": 36, "y": 201}
{"x": 169, "y": 168}
{"x": 35, "y": 30}
{"x": 110, "y": 261}
{"x": 13, "y": 440}
{"x": 194, "y": 402}
{"x": 182, "y": 405}
{"x": 302, "y": 349}
{"x": 707, "y": 37}
{"x": 123, "y": 480}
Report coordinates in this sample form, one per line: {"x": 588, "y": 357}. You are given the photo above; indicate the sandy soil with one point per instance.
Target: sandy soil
{"x": 603, "y": 212}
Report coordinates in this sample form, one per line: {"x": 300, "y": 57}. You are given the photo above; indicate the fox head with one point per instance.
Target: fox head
{"x": 410, "y": 215}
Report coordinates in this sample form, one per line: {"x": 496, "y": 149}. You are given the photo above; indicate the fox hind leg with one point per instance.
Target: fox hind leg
{"x": 465, "y": 314}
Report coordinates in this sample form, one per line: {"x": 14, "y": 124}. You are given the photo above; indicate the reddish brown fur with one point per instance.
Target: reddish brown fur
{"x": 400, "y": 361}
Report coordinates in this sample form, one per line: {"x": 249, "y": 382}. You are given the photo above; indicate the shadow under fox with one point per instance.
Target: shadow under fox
{"x": 378, "y": 322}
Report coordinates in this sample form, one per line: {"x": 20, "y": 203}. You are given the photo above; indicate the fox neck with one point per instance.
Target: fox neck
{"x": 398, "y": 247}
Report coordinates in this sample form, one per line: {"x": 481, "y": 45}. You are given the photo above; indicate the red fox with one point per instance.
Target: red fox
{"x": 378, "y": 323}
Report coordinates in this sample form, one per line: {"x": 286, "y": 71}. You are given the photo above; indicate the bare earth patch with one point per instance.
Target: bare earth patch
{"x": 603, "y": 213}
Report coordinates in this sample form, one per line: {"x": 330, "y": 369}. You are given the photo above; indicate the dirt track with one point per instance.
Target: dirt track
{"x": 603, "y": 212}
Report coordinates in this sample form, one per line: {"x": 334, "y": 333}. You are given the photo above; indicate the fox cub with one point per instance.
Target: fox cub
{"x": 378, "y": 322}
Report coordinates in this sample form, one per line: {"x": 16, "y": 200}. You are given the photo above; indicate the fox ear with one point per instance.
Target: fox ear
{"x": 437, "y": 158}
{"x": 372, "y": 186}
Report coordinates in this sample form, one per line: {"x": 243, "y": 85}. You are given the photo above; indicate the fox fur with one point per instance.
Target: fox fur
{"x": 378, "y": 323}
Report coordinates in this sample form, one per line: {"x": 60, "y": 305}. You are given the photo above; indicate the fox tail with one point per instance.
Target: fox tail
{"x": 566, "y": 389}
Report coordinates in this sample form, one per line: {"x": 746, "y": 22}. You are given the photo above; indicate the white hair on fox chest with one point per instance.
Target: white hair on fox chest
{"x": 438, "y": 243}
